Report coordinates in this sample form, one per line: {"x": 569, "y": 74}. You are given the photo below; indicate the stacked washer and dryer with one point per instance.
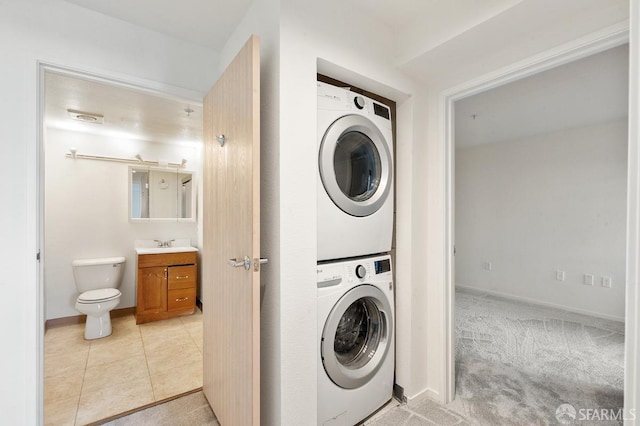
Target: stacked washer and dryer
{"x": 355, "y": 229}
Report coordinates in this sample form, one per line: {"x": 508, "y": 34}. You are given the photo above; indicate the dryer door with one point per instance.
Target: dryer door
{"x": 356, "y": 336}
{"x": 355, "y": 165}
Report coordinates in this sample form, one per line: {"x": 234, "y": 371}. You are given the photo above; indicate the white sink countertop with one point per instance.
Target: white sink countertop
{"x": 158, "y": 250}
{"x": 151, "y": 246}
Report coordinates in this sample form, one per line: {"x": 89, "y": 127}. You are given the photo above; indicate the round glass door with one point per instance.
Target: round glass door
{"x": 355, "y": 165}
{"x": 356, "y": 162}
{"x": 356, "y": 336}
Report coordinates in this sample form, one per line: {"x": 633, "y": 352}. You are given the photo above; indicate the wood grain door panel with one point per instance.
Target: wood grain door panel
{"x": 231, "y": 221}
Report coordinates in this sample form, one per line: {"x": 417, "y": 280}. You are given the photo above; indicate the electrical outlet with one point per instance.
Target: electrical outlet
{"x": 606, "y": 282}
{"x": 588, "y": 279}
{"x": 487, "y": 266}
{"x": 560, "y": 275}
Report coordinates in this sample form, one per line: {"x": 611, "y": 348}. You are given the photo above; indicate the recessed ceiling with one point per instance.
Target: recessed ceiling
{"x": 205, "y": 22}
{"x": 127, "y": 113}
{"x": 591, "y": 90}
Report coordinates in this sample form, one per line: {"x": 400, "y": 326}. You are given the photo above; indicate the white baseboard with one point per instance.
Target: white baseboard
{"x": 429, "y": 393}
{"x": 541, "y": 303}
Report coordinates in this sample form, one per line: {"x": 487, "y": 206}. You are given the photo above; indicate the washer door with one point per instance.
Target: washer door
{"x": 357, "y": 336}
{"x": 355, "y": 165}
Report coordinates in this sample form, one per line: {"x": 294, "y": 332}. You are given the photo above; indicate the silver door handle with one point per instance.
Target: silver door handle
{"x": 246, "y": 263}
{"x": 258, "y": 262}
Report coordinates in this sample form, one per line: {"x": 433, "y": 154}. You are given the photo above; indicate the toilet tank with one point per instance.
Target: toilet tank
{"x": 94, "y": 274}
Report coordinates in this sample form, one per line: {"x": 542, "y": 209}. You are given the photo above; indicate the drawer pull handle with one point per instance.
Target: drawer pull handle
{"x": 182, "y": 299}
{"x": 182, "y": 277}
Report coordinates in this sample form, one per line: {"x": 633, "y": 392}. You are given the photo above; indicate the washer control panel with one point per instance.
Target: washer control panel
{"x": 356, "y": 271}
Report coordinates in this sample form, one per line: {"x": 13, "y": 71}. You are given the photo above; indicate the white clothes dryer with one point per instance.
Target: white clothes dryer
{"x": 355, "y": 175}
{"x": 355, "y": 339}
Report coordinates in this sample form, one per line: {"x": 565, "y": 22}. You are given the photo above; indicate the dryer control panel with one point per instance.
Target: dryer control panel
{"x": 342, "y": 98}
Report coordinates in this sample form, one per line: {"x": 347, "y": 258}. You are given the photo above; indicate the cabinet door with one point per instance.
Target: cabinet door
{"x": 152, "y": 289}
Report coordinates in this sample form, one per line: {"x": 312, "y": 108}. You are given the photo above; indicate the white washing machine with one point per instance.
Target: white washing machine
{"x": 356, "y": 349}
{"x": 355, "y": 182}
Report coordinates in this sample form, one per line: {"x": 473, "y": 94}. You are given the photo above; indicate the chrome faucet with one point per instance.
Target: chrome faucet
{"x": 166, "y": 243}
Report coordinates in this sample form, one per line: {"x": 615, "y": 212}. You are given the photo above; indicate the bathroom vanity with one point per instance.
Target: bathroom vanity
{"x": 166, "y": 282}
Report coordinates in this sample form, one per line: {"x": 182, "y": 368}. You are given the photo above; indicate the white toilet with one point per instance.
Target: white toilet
{"x": 97, "y": 281}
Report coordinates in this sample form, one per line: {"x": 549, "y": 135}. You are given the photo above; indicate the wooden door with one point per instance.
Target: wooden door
{"x": 231, "y": 295}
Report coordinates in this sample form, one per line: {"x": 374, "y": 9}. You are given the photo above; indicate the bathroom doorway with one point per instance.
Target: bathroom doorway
{"x": 86, "y": 214}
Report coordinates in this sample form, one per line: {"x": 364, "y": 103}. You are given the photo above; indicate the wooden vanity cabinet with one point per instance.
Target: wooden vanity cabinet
{"x": 166, "y": 285}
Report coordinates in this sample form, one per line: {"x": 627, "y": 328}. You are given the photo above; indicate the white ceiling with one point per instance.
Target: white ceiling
{"x": 420, "y": 25}
{"x": 588, "y": 91}
{"x": 128, "y": 113}
{"x": 428, "y": 38}
{"x": 205, "y": 22}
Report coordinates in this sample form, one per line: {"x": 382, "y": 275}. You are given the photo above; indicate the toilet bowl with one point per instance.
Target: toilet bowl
{"x": 97, "y": 281}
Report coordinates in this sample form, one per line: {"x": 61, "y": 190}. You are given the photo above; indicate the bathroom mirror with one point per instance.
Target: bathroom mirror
{"x": 160, "y": 194}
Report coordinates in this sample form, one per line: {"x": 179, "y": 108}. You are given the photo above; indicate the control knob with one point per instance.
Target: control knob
{"x": 359, "y": 101}
{"x": 361, "y": 271}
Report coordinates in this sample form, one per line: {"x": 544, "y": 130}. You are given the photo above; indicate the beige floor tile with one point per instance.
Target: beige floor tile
{"x": 194, "y": 330}
{"x": 75, "y": 343}
{"x": 174, "y": 337}
{"x": 159, "y": 327}
{"x": 115, "y": 350}
{"x": 55, "y": 365}
{"x": 195, "y": 317}
{"x": 176, "y": 381}
{"x": 173, "y": 357}
{"x": 128, "y": 321}
{"x": 122, "y": 333}
{"x": 64, "y": 332}
{"x": 102, "y": 403}
{"x": 61, "y": 412}
{"x": 63, "y": 386}
{"x": 99, "y": 375}
{"x": 114, "y": 373}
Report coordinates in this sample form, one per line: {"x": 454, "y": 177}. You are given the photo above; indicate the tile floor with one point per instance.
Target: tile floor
{"x": 420, "y": 411}
{"x": 86, "y": 381}
{"x": 193, "y": 409}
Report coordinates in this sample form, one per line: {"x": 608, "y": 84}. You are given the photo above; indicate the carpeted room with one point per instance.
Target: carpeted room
{"x": 540, "y": 239}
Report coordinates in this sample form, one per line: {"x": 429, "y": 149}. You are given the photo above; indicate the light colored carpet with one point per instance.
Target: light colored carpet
{"x": 516, "y": 362}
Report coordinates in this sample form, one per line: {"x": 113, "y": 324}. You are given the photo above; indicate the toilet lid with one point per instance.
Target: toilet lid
{"x": 100, "y": 295}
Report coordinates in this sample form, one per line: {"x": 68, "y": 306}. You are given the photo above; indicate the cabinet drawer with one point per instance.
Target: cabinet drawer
{"x": 182, "y": 299}
{"x": 182, "y": 277}
{"x": 163, "y": 259}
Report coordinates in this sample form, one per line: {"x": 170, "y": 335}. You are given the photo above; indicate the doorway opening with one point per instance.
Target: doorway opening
{"x": 487, "y": 266}
{"x": 86, "y": 212}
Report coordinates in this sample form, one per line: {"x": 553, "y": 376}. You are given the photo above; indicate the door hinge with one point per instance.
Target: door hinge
{"x": 38, "y": 256}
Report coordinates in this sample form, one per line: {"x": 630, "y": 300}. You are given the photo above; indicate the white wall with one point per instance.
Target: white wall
{"x": 295, "y": 36}
{"x": 87, "y": 207}
{"x": 55, "y": 31}
{"x": 330, "y": 38}
{"x": 541, "y": 204}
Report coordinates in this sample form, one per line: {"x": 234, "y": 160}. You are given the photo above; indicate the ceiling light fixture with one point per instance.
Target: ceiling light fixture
{"x": 86, "y": 117}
